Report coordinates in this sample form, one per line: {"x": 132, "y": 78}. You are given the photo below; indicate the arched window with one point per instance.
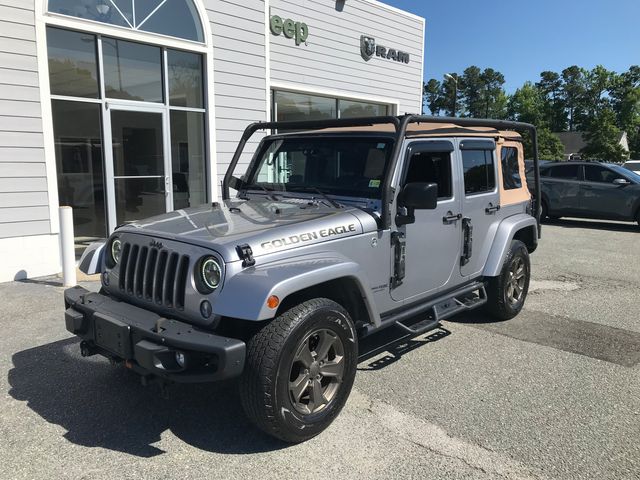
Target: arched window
{"x": 175, "y": 18}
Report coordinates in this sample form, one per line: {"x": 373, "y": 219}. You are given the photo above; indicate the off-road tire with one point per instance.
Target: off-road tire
{"x": 499, "y": 303}
{"x": 264, "y": 386}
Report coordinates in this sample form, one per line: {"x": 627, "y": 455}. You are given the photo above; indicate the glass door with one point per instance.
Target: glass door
{"x": 138, "y": 167}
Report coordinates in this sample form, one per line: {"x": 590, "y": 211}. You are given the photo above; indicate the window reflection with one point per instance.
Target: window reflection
{"x": 138, "y": 198}
{"x": 188, "y": 156}
{"x": 353, "y": 109}
{"x": 132, "y": 71}
{"x": 185, "y": 79}
{"x": 298, "y": 106}
{"x": 79, "y": 161}
{"x": 73, "y": 68}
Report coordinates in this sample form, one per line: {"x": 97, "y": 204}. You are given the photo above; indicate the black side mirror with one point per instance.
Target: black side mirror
{"x": 418, "y": 195}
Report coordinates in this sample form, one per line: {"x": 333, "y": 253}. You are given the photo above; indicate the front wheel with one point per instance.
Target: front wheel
{"x": 507, "y": 292}
{"x": 299, "y": 370}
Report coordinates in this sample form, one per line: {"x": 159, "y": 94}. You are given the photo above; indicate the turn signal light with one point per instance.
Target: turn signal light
{"x": 273, "y": 302}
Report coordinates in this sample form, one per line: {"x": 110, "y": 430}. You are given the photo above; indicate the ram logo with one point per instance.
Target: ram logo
{"x": 367, "y": 47}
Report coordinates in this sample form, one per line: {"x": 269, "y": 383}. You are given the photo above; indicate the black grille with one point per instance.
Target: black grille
{"x": 154, "y": 275}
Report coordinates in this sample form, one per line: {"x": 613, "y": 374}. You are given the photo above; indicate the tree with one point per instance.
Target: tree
{"x": 549, "y": 145}
{"x": 433, "y": 96}
{"x": 550, "y": 87}
{"x": 625, "y": 101}
{"x": 494, "y": 98}
{"x": 603, "y": 138}
{"x": 471, "y": 86}
{"x": 449, "y": 96}
{"x": 527, "y": 105}
{"x": 573, "y": 93}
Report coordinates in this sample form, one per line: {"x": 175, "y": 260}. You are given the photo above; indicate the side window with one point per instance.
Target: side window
{"x": 479, "y": 171}
{"x": 565, "y": 172}
{"x": 595, "y": 173}
{"x": 510, "y": 168}
{"x": 431, "y": 167}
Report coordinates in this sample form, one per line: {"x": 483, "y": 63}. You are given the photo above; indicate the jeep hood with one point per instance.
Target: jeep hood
{"x": 266, "y": 226}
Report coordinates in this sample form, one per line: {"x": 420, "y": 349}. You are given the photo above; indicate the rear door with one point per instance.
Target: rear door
{"x": 480, "y": 204}
{"x": 561, "y": 188}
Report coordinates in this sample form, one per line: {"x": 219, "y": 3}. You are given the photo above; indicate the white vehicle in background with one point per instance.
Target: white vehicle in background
{"x": 633, "y": 165}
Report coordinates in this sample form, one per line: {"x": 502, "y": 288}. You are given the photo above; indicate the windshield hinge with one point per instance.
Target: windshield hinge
{"x": 246, "y": 255}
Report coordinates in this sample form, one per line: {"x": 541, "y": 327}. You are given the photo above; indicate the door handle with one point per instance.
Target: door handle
{"x": 492, "y": 209}
{"x": 449, "y": 218}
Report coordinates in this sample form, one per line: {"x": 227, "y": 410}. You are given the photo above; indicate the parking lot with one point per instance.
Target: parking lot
{"x": 552, "y": 394}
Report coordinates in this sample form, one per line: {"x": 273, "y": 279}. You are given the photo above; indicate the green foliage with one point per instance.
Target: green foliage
{"x": 603, "y": 138}
{"x": 598, "y": 102}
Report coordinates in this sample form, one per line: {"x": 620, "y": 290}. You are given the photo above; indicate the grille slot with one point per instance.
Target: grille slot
{"x": 156, "y": 276}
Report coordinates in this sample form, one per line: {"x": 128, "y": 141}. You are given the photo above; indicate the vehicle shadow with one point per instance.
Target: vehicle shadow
{"x": 393, "y": 343}
{"x": 593, "y": 224}
{"x": 100, "y": 405}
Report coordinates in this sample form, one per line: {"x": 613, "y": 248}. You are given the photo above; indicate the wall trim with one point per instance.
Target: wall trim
{"x": 267, "y": 55}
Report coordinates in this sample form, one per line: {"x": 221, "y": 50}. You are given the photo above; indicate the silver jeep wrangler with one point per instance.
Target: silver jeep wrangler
{"x": 338, "y": 230}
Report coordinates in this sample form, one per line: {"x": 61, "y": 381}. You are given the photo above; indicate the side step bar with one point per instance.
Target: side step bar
{"x": 468, "y": 298}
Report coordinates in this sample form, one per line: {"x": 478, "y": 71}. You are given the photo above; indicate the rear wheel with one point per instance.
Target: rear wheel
{"x": 300, "y": 369}
{"x": 507, "y": 292}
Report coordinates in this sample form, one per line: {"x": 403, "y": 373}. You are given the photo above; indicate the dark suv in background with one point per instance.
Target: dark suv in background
{"x": 589, "y": 190}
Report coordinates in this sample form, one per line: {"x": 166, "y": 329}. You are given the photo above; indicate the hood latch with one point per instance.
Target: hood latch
{"x": 246, "y": 255}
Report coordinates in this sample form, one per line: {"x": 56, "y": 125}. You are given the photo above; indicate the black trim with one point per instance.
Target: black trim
{"x": 477, "y": 145}
{"x": 401, "y": 124}
{"x": 148, "y": 342}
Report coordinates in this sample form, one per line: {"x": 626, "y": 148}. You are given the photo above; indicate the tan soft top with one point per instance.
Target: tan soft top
{"x": 420, "y": 130}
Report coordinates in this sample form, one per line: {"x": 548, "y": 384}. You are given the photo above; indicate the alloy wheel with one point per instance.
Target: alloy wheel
{"x": 316, "y": 371}
{"x": 516, "y": 281}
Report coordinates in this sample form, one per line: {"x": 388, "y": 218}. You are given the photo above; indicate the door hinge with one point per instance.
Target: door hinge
{"x": 246, "y": 255}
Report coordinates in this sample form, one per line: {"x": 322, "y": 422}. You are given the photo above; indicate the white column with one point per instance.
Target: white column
{"x": 67, "y": 247}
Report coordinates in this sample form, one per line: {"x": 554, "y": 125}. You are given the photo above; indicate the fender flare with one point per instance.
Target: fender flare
{"x": 244, "y": 295}
{"x": 502, "y": 241}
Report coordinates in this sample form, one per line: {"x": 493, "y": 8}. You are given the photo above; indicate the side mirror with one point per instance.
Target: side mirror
{"x": 621, "y": 181}
{"x": 419, "y": 196}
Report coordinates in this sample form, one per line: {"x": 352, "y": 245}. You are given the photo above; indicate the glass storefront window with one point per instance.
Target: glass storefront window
{"x": 132, "y": 71}
{"x": 188, "y": 159}
{"x": 175, "y": 18}
{"x": 79, "y": 159}
{"x": 353, "y": 109}
{"x": 137, "y": 143}
{"x": 73, "y": 68}
{"x": 291, "y": 106}
{"x": 185, "y": 79}
{"x": 138, "y": 198}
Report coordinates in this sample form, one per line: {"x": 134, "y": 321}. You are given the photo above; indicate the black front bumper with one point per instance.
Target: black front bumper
{"x": 147, "y": 342}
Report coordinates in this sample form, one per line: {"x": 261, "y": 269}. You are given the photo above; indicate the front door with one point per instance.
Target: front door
{"x": 600, "y": 197}
{"x": 481, "y": 204}
{"x": 137, "y": 164}
{"x": 432, "y": 243}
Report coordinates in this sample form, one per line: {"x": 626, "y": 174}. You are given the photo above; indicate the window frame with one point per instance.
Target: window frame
{"x": 430, "y": 146}
{"x": 603, "y": 167}
{"x": 476, "y": 145}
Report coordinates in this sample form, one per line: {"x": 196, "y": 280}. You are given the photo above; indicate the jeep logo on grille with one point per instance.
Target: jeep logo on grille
{"x": 156, "y": 244}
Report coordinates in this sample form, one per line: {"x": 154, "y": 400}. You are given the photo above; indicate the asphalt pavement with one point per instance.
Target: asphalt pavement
{"x": 551, "y": 394}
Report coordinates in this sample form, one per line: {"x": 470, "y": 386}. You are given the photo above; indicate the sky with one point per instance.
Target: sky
{"x": 523, "y": 38}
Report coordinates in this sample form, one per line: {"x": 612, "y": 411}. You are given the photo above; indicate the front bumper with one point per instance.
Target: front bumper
{"x": 147, "y": 342}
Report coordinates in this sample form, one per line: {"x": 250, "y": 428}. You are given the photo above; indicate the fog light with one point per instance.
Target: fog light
{"x": 181, "y": 359}
{"x": 206, "y": 309}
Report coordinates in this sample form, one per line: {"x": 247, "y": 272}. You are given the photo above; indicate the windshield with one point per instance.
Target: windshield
{"x": 627, "y": 173}
{"x": 344, "y": 166}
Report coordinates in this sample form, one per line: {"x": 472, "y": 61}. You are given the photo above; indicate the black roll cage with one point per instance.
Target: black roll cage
{"x": 401, "y": 124}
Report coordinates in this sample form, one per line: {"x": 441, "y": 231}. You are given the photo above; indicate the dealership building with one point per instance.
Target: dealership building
{"x": 123, "y": 109}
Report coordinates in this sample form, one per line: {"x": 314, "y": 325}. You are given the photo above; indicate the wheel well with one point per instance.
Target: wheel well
{"x": 527, "y": 235}
{"x": 344, "y": 291}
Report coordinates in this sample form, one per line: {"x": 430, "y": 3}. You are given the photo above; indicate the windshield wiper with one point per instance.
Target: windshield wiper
{"x": 320, "y": 192}
{"x": 269, "y": 193}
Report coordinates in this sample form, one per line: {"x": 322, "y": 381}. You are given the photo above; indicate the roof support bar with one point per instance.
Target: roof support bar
{"x": 401, "y": 125}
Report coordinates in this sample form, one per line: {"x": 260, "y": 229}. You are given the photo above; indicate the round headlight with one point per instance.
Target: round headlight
{"x": 211, "y": 273}
{"x": 116, "y": 250}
